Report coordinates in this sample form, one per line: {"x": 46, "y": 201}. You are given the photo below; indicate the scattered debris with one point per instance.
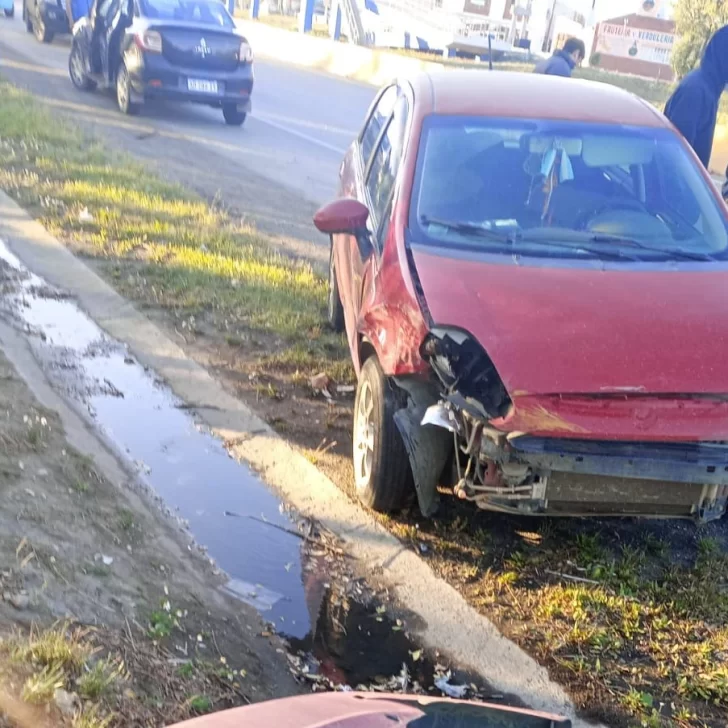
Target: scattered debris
{"x": 319, "y": 382}
{"x": 67, "y": 703}
{"x": 453, "y": 691}
{"x": 85, "y": 216}
{"x": 20, "y": 601}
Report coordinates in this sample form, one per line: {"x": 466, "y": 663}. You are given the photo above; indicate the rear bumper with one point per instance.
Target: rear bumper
{"x": 152, "y": 76}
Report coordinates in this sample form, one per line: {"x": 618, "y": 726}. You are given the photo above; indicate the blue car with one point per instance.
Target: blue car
{"x": 183, "y": 50}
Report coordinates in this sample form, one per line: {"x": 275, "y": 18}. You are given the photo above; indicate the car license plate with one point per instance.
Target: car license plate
{"x": 205, "y": 87}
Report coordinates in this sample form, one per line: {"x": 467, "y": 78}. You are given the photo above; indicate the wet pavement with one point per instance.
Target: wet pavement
{"x": 280, "y": 565}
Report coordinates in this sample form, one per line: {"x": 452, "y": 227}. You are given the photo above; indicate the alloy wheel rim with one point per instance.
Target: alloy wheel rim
{"x": 122, "y": 90}
{"x": 364, "y": 437}
{"x": 76, "y": 68}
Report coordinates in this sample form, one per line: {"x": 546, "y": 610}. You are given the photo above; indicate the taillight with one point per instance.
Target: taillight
{"x": 149, "y": 41}
{"x": 245, "y": 54}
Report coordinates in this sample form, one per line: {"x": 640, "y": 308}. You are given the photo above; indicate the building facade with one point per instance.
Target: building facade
{"x": 640, "y": 43}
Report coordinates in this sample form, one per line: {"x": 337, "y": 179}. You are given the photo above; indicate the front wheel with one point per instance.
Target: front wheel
{"x": 232, "y": 116}
{"x": 41, "y": 31}
{"x": 123, "y": 93}
{"x": 382, "y": 471}
{"x": 26, "y": 18}
{"x": 77, "y": 70}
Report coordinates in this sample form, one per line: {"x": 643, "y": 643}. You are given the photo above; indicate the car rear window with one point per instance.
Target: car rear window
{"x": 563, "y": 189}
{"x": 195, "y": 11}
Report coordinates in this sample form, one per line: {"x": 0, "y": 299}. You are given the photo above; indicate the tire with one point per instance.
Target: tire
{"x": 382, "y": 471}
{"x": 123, "y": 93}
{"x": 26, "y": 18}
{"x": 41, "y": 32}
{"x": 334, "y": 309}
{"x": 232, "y": 116}
{"x": 76, "y": 71}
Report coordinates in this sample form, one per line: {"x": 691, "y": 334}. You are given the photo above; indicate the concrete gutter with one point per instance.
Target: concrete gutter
{"x": 444, "y": 620}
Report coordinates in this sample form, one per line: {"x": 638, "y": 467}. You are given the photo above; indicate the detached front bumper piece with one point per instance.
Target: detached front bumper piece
{"x": 560, "y": 476}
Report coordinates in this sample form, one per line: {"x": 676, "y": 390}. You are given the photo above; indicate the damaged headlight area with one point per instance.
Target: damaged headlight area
{"x": 441, "y": 415}
{"x": 450, "y": 422}
{"x": 463, "y": 368}
{"x": 472, "y": 395}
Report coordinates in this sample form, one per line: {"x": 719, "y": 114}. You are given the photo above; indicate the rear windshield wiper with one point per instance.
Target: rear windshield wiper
{"x": 632, "y": 243}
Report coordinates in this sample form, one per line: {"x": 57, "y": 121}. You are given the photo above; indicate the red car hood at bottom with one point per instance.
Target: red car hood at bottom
{"x": 562, "y": 338}
{"x": 369, "y": 710}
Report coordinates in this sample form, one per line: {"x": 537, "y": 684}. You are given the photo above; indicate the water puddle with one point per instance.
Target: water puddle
{"x": 338, "y": 636}
{"x": 183, "y": 463}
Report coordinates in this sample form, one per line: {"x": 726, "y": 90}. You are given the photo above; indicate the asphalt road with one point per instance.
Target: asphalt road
{"x": 276, "y": 169}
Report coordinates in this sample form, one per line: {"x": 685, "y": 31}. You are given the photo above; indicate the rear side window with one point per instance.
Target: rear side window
{"x": 376, "y": 122}
{"x": 386, "y": 160}
{"x": 205, "y": 12}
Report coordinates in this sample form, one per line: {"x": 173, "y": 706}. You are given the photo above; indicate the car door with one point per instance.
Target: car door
{"x": 367, "y": 175}
{"x": 352, "y": 185}
{"x": 377, "y": 192}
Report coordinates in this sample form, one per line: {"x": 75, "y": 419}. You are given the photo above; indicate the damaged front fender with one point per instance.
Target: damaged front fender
{"x": 429, "y": 446}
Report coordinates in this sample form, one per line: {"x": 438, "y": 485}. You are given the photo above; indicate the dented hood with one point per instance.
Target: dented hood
{"x": 552, "y": 330}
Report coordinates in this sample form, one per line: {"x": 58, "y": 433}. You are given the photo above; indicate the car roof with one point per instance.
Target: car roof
{"x": 530, "y": 95}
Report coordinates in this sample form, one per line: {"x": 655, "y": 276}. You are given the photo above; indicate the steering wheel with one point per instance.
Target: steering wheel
{"x": 584, "y": 220}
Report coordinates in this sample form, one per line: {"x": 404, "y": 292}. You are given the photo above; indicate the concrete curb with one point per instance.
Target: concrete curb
{"x": 367, "y": 65}
{"x": 447, "y": 622}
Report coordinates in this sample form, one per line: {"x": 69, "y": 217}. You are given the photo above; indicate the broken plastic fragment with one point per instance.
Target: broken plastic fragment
{"x": 452, "y": 691}
{"x": 441, "y": 416}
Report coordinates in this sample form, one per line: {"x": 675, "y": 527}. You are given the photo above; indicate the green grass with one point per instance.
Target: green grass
{"x": 160, "y": 244}
{"x": 98, "y": 680}
{"x": 60, "y": 646}
{"x": 161, "y": 624}
{"x": 200, "y": 704}
{"x": 40, "y": 687}
{"x": 133, "y": 683}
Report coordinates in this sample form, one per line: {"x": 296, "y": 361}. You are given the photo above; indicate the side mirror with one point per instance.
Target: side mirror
{"x": 342, "y": 216}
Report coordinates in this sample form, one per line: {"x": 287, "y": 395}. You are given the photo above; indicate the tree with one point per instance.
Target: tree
{"x": 695, "y": 22}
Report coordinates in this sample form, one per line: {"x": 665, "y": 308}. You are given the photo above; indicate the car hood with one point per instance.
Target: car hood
{"x": 365, "y": 710}
{"x": 573, "y": 330}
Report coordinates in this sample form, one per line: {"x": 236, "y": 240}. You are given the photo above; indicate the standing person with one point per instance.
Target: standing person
{"x": 77, "y": 9}
{"x": 693, "y": 106}
{"x": 563, "y": 62}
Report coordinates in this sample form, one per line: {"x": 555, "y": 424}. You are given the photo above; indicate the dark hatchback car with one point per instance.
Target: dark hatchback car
{"x": 45, "y": 19}
{"x": 174, "y": 49}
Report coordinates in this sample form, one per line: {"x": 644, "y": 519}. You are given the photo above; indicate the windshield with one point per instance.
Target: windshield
{"x": 563, "y": 189}
{"x": 194, "y": 11}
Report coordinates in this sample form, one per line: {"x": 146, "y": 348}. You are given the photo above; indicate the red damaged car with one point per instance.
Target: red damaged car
{"x": 532, "y": 273}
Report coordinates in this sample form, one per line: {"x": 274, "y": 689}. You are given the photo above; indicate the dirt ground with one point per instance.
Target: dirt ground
{"x": 82, "y": 547}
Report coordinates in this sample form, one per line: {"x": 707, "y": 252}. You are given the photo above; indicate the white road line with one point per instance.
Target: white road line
{"x": 300, "y": 134}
